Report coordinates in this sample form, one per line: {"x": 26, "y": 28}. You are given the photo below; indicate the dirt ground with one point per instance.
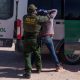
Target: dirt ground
{"x": 12, "y": 67}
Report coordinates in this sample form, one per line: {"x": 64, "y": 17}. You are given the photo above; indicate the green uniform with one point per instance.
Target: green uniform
{"x": 31, "y": 25}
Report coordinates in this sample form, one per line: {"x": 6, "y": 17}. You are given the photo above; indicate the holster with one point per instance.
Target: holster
{"x": 39, "y": 41}
{"x": 30, "y": 35}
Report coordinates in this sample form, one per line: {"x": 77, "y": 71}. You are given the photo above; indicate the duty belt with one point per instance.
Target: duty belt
{"x": 30, "y": 35}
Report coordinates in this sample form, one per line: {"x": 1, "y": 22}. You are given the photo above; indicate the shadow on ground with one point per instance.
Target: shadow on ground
{"x": 12, "y": 64}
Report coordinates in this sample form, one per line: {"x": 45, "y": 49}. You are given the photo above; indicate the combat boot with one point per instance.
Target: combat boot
{"x": 27, "y": 75}
{"x": 38, "y": 70}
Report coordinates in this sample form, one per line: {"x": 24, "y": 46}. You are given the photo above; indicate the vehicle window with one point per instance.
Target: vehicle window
{"x": 6, "y": 9}
{"x": 72, "y": 9}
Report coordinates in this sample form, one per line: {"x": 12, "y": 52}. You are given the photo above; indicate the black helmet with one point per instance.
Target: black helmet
{"x": 32, "y": 7}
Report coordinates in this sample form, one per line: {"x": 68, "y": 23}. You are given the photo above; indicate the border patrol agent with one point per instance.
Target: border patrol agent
{"x": 31, "y": 25}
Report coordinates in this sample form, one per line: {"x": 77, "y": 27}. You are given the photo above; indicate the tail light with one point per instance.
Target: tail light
{"x": 18, "y": 24}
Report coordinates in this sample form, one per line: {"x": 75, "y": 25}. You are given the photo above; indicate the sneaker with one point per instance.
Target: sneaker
{"x": 59, "y": 69}
{"x": 27, "y": 75}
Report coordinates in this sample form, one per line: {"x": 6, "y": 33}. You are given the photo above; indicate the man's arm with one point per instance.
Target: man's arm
{"x": 52, "y": 13}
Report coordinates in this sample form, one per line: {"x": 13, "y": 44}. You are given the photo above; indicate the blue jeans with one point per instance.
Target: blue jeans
{"x": 48, "y": 41}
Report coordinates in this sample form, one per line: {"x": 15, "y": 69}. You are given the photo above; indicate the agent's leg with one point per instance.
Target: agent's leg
{"x": 27, "y": 59}
{"x": 37, "y": 55}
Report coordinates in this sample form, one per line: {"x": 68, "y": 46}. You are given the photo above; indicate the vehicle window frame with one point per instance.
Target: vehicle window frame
{"x": 10, "y": 7}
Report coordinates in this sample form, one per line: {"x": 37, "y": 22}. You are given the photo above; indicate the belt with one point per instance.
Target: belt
{"x": 44, "y": 35}
{"x": 30, "y": 35}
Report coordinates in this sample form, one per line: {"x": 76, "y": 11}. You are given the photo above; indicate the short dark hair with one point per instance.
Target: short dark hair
{"x": 42, "y": 13}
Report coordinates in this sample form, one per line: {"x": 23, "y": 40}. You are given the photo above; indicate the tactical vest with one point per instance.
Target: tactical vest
{"x": 30, "y": 24}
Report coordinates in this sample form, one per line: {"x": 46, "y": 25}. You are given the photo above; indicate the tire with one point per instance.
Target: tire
{"x": 68, "y": 57}
{"x": 60, "y": 51}
{"x": 71, "y": 58}
{"x": 19, "y": 46}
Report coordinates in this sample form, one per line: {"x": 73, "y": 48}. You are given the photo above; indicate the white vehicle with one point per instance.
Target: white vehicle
{"x": 10, "y": 11}
{"x": 7, "y": 18}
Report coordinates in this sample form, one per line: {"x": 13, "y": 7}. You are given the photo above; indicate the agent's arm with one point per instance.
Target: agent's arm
{"x": 43, "y": 18}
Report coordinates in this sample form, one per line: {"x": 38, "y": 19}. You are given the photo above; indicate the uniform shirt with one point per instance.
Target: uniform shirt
{"x": 47, "y": 27}
{"x": 31, "y": 23}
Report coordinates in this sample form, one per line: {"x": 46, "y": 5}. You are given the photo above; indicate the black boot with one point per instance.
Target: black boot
{"x": 38, "y": 70}
{"x": 27, "y": 75}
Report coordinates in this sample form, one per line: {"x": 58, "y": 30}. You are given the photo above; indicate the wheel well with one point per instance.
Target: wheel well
{"x": 60, "y": 46}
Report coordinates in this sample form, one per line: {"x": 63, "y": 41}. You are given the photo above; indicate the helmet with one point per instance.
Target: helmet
{"x": 32, "y": 7}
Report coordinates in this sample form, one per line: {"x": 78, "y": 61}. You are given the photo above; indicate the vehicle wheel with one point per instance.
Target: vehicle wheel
{"x": 60, "y": 51}
{"x": 19, "y": 46}
{"x": 68, "y": 57}
{"x": 71, "y": 57}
